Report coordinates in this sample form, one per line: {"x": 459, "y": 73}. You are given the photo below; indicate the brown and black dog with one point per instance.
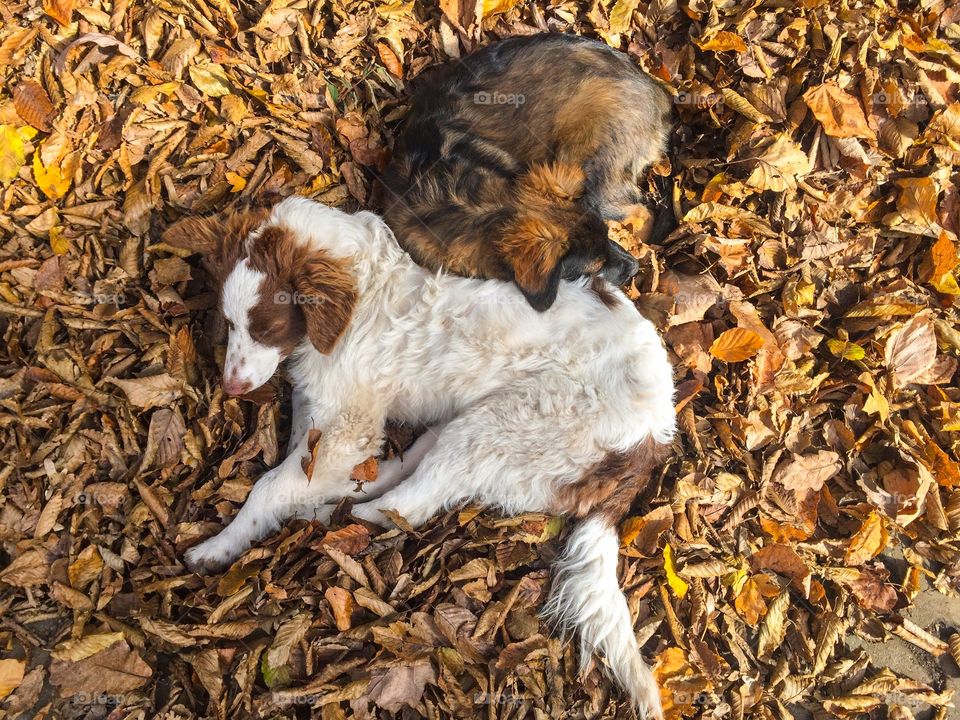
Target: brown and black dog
{"x": 513, "y": 158}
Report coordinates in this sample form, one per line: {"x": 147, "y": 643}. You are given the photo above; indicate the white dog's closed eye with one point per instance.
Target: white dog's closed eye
{"x": 562, "y": 411}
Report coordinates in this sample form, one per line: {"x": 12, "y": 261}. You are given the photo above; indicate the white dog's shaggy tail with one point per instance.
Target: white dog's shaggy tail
{"x": 585, "y": 597}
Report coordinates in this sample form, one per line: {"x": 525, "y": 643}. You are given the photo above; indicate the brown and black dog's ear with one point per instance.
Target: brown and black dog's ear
{"x": 534, "y": 249}
{"x": 327, "y": 295}
{"x": 219, "y": 238}
{"x": 535, "y": 244}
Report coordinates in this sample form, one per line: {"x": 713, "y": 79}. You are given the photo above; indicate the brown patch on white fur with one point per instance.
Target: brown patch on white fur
{"x": 219, "y": 238}
{"x": 611, "y": 486}
{"x": 305, "y": 291}
{"x": 603, "y": 292}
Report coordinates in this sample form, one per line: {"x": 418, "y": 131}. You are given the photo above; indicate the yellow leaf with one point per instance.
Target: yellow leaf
{"x": 946, "y": 285}
{"x": 736, "y": 345}
{"x": 12, "y": 151}
{"x": 58, "y": 243}
{"x": 210, "y": 79}
{"x": 54, "y": 179}
{"x": 622, "y": 14}
{"x": 237, "y": 183}
{"x": 11, "y": 673}
{"x": 496, "y": 7}
{"x": 676, "y": 583}
{"x": 869, "y": 541}
{"x": 876, "y": 401}
{"x": 845, "y": 349}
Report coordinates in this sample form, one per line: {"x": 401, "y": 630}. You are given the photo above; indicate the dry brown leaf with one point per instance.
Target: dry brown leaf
{"x": 33, "y": 104}
{"x": 114, "y": 670}
{"x": 308, "y": 461}
{"x": 150, "y": 392}
{"x": 911, "y": 350}
{"x": 396, "y": 687}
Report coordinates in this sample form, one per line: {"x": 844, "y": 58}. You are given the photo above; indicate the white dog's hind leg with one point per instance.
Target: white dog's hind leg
{"x": 484, "y": 454}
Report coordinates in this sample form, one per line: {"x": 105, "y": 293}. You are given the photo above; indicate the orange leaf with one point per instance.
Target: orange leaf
{"x": 341, "y": 602}
{"x": 943, "y": 256}
{"x": 838, "y": 112}
{"x": 750, "y": 603}
{"x": 366, "y": 471}
{"x": 724, "y": 41}
{"x": 736, "y": 345}
{"x": 349, "y": 540}
{"x": 869, "y": 541}
{"x": 59, "y": 10}
{"x": 389, "y": 59}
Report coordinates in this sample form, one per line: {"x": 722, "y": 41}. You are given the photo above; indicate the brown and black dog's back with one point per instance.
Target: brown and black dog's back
{"x": 513, "y": 157}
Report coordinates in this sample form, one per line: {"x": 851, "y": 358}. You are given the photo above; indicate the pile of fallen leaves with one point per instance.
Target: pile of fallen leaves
{"x": 808, "y": 297}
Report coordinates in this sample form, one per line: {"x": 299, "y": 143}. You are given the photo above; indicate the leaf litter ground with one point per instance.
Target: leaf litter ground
{"x": 808, "y": 296}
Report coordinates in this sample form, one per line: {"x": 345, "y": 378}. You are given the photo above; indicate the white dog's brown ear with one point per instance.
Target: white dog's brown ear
{"x": 219, "y": 238}
{"x": 326, "y": 293}
{"x": 197, "y": 234}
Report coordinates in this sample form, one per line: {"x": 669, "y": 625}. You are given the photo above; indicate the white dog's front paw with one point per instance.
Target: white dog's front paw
{"x": 210, "y": 556}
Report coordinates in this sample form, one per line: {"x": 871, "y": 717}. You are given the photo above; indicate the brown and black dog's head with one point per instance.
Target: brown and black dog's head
{"x": 553, "y": 238}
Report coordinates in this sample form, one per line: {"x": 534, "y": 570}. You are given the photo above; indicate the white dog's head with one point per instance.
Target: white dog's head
{"x": 275, "y": 291}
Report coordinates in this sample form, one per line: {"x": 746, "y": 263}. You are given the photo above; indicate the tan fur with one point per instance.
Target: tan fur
{"x": 533, "y": 247}
{"x": 539, "y": 237}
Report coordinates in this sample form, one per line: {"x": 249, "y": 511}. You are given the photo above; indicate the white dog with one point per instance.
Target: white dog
{"x": 564, "y": 411}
